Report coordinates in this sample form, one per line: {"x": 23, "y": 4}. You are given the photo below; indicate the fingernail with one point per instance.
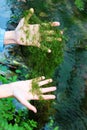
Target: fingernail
{"x": 55, "y": 24}
{"x": 55, "y": 88}
{"x": 59, "y": 39}
{"x": 32, "y": 10}
{"x": 43, "y": 77}
{"x": 35, "y": 111}
{"x": 61, "y": 32}
{"x": 50, "y": 80}
{"x": 54, "y": 97}
{"x": 49, "y": 51}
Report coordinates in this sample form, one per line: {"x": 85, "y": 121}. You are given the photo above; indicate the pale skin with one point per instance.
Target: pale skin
{"x": 29, "y": 34}
{"x": 21, "y": 89}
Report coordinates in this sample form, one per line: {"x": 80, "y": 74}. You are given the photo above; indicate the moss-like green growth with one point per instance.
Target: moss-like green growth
{"x": 36, "y": 89}
{"x": 39, "y": 60}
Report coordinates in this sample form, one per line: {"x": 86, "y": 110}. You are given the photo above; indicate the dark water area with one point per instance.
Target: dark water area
{"x": 71, "y": 76}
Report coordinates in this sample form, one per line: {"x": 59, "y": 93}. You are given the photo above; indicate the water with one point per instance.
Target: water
{"x": 4, "y": 17}
{"x": 4, "y": 13}
{"x": 71, "y": 109}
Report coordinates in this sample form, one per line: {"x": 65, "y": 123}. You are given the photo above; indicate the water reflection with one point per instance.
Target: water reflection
{"x": 4, "y": 13}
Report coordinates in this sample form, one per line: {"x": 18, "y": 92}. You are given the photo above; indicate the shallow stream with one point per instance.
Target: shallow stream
{"x": 4, "y": 13}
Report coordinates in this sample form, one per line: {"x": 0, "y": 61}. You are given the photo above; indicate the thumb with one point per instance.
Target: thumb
{"x": 28, "y": 14}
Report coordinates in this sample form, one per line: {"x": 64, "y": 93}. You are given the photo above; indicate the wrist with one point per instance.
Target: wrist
{"x": 6, "y": 90}
{"x": 9, "y": 37}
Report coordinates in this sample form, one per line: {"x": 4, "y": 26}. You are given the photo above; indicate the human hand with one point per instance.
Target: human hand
{"x": 24, "y": 91}
{"x": 33, "y": 34}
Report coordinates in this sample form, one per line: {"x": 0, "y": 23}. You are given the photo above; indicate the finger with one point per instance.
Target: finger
{"x": 51, "y": 24}
{"x": 35, "y": 80}
{"x": 28, "y": 16}
{"x": 45, "y": 82}
{"x": 21, "y": 23}
{"x": 50, "y": 39}
{"x": 50, "y": 32}
{"x": 39, "y": 78}
{"x": 44, "y": 48}
{"x": 29, "y": 106}
{"x": 48, "y": 89}
{"x": 47, "y": 35}
{"x": 48, "y": 97}
{"x": 55, "y": 23}
{"x": 43, "y": 97}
